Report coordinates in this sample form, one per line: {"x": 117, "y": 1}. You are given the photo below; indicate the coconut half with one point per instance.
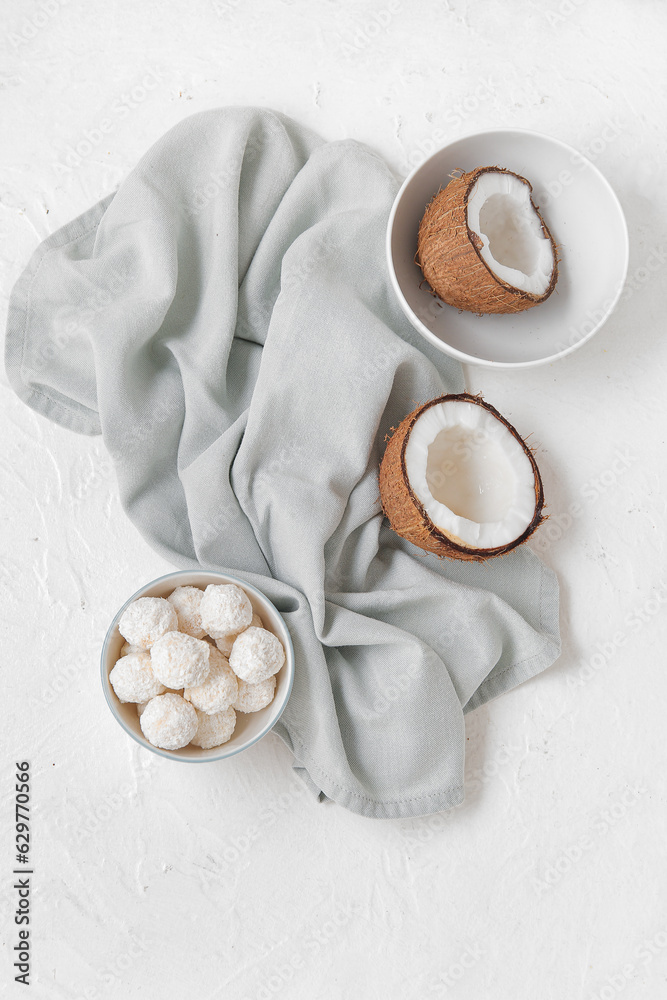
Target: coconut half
{"x": 458, "y": 480}
{"x": 483, "y": 245}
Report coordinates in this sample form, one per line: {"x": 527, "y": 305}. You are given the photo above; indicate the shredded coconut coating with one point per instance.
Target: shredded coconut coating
{"x": 168, "y": 722}
{"x": 180, "y": 660}
{"x": 225, "y": 643}
{"x": 141, "y": 706}
{"x": 133, "y": 680}
{"x": 146, "y": 619}
{"x": 220, "y": 688}
{"x": 225, "y": 609}
{"x": 256, "y": 655}
{"x": 214, "y": 730}
{"x": 186, "y": 601}
{"x": 253, "y": 697}
{"x": 127, "y": 647}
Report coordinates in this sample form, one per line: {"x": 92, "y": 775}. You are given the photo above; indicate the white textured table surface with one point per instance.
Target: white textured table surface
{"x": 158, "y": 880}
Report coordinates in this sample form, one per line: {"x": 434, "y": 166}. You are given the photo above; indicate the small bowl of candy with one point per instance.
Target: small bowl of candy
{"x": 197, "y": 666}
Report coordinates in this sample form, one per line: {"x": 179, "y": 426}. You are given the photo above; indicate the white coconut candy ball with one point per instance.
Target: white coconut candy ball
{"x": 187, "y": 601}
{"x": 168, "y": 722}
{"x": 141, "y": 708}
{"x": 214, "y": 730}
{"x": 133, "y": 680}
{"x": 146, "y": 619}
{"x": 227, "y": 641}
{"x": 253, "y": 697}
{"x": 225, "y": 609}
{"x": 220, "y": 688}
{"x": 256, "y": 655}
{"x": 180, "y": 660}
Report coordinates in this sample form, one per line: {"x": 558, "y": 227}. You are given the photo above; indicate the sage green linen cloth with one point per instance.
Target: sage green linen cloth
{"x": 225, "y": 321}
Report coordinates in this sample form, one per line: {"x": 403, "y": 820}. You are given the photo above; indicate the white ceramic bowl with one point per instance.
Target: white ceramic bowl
{"x": 584, "y": 217}
{"x": 250, "y": 727}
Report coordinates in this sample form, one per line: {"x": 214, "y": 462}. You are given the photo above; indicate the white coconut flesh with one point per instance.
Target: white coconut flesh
{"x": 470, "y": 474}
{"x": 514, "y": 247}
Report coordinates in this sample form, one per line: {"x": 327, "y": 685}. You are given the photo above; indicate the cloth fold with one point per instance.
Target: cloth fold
{"x": 225, "y": 321}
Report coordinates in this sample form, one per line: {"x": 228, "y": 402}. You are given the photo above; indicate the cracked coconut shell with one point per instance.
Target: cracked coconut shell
{"x": 492, "y": 456}
{"x": 484, "y": 212}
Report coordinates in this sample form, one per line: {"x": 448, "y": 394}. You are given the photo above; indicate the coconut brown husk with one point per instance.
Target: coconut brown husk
{"x": 449, "y": 257}
{"x": 407, "y": 516}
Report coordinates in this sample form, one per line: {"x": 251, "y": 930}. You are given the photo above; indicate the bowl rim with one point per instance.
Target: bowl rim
{"x": 453, "y": 351}
{"x": 172, "y": 754}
